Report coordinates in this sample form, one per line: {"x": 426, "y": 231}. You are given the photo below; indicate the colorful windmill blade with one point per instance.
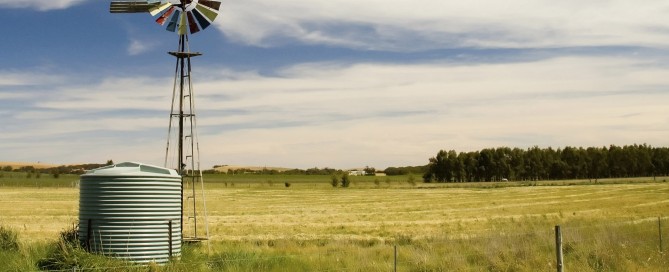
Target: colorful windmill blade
{"x": 181, "y": 16}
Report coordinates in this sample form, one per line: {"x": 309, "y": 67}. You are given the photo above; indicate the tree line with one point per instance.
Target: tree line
{"x": 77, "y": 169}
{"x": 533, "y": 164}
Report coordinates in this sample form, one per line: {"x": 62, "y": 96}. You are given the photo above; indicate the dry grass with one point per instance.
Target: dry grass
{"x": 364, "y": 214}
{"x": 313, "y": 227}
{"x": 305, "y": 213}
{"x": 39, "y": 214}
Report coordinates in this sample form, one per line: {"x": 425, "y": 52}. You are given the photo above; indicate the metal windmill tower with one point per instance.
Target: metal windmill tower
{"x": 182, "y": 17}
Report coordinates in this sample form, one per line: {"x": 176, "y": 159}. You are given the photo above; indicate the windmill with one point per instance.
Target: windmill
{"x": 182, "y": 17}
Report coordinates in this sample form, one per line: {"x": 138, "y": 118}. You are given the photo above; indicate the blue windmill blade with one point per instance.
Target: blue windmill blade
{"x": 172, "y": 25}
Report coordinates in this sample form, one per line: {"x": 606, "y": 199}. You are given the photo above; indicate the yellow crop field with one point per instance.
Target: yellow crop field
{"x": 360, "y": 223}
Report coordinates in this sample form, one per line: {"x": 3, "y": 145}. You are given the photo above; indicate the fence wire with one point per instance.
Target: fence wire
{"x": 438, "y": 254}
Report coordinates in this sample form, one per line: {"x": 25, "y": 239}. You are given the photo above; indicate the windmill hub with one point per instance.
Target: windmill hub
{"x": 182, "y": 15}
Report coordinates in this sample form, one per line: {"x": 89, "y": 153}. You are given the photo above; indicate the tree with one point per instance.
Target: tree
{"x": 487, "y": 164}
{"x": 597, "y": 163}
{"x": 439, "y": 165}
{"x": 370, "y": 171}
{"x": 110, "y": 162}
{"x": 493, "y": 164}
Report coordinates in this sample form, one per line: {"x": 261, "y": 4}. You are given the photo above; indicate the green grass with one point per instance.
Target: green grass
{"x": 258, "y": 225}
{"x": 21, "y": 179}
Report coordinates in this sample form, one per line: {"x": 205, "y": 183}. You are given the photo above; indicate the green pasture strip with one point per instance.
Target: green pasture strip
{"x": 587, "y": 245}
{"x": 22, "y": 179}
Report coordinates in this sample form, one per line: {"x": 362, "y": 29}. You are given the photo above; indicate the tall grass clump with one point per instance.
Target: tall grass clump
{"x": 9, "y": 239}
{"x": 68, "y": 254}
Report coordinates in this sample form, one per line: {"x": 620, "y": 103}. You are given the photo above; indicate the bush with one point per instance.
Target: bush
{"x": 9, "y": 239}
{"x": 411, "y": 180}
{"x": 334, "y": 181}
{"x": 287, "y": 184}
{"x": 345, "y": 181}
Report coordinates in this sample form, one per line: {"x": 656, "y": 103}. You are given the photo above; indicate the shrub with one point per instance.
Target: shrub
{"x": 287, "y": 184}
{"x": 345, "y": 181}
{"x": 334, "y": 181}
{"x": 411, "y": 180}
{"x": 9, "y": 239}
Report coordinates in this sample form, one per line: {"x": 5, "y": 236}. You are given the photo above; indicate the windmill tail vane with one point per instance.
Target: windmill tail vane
{"x": 181, "y": 16}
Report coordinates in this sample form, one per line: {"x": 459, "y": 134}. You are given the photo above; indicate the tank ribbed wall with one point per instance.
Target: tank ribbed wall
{"x": 130, "y": 207}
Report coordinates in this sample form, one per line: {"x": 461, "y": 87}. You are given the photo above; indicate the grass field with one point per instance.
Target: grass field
{"x": 257, "y": 223}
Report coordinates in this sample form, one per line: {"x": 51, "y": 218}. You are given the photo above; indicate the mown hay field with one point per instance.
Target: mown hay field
{"x": 314, "y": 227}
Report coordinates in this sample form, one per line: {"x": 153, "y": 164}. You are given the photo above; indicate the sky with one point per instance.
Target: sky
{"x": 339, "y": 83}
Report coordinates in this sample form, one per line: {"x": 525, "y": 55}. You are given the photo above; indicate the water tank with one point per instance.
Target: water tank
{"x": 131, "y": 211}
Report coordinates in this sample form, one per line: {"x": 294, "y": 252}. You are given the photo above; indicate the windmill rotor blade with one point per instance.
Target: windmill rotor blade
{"x": 200, "y": 19}
{"x": 163, "y": 18}
{"x": 183, "y": 16}
{"x": 158, "y": 9}
{"x": 210, "y": 14}
{"x": 131, "y": 6}
{"x": 215, "y": 5}
{"x": 172, "y": 25}
{"x": 192, "y": 25}
{"x": 182, "y": 24}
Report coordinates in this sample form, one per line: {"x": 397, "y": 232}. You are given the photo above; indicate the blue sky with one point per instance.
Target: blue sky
{"x": 335, "y": 84}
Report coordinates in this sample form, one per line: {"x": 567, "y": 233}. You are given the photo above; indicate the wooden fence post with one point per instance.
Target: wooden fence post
{"x": 659, "y": 228}
{"x": 558, "y": 249}
{"x": 395, "y": 258}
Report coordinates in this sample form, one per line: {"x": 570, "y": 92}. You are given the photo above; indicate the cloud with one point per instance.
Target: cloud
{"x": 350, "y": 115}
{"x": 137, "y": 47}
{"x": 403, "y": 25}
{"x": 41, "y": 5}
{"x": 12, "y": 78}
{"x": 393, "y": 114}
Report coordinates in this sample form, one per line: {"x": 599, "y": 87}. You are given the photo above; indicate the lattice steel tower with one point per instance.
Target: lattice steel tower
{"x": 182, "y": 17}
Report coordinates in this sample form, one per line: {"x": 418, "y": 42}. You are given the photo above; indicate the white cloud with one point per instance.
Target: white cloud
{"x": 381, "y": 115}
{"x": 137, "y": 47}
{"x": 137, "y": 93}
{"x": 22, "y": 78}
{"x": 42, "y": 5}
{"x": 327, "y": 114}
{"x": 428, "y": 24}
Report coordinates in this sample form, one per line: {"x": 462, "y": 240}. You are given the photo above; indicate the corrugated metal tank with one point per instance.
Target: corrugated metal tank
{"x": 134, "y": 212}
